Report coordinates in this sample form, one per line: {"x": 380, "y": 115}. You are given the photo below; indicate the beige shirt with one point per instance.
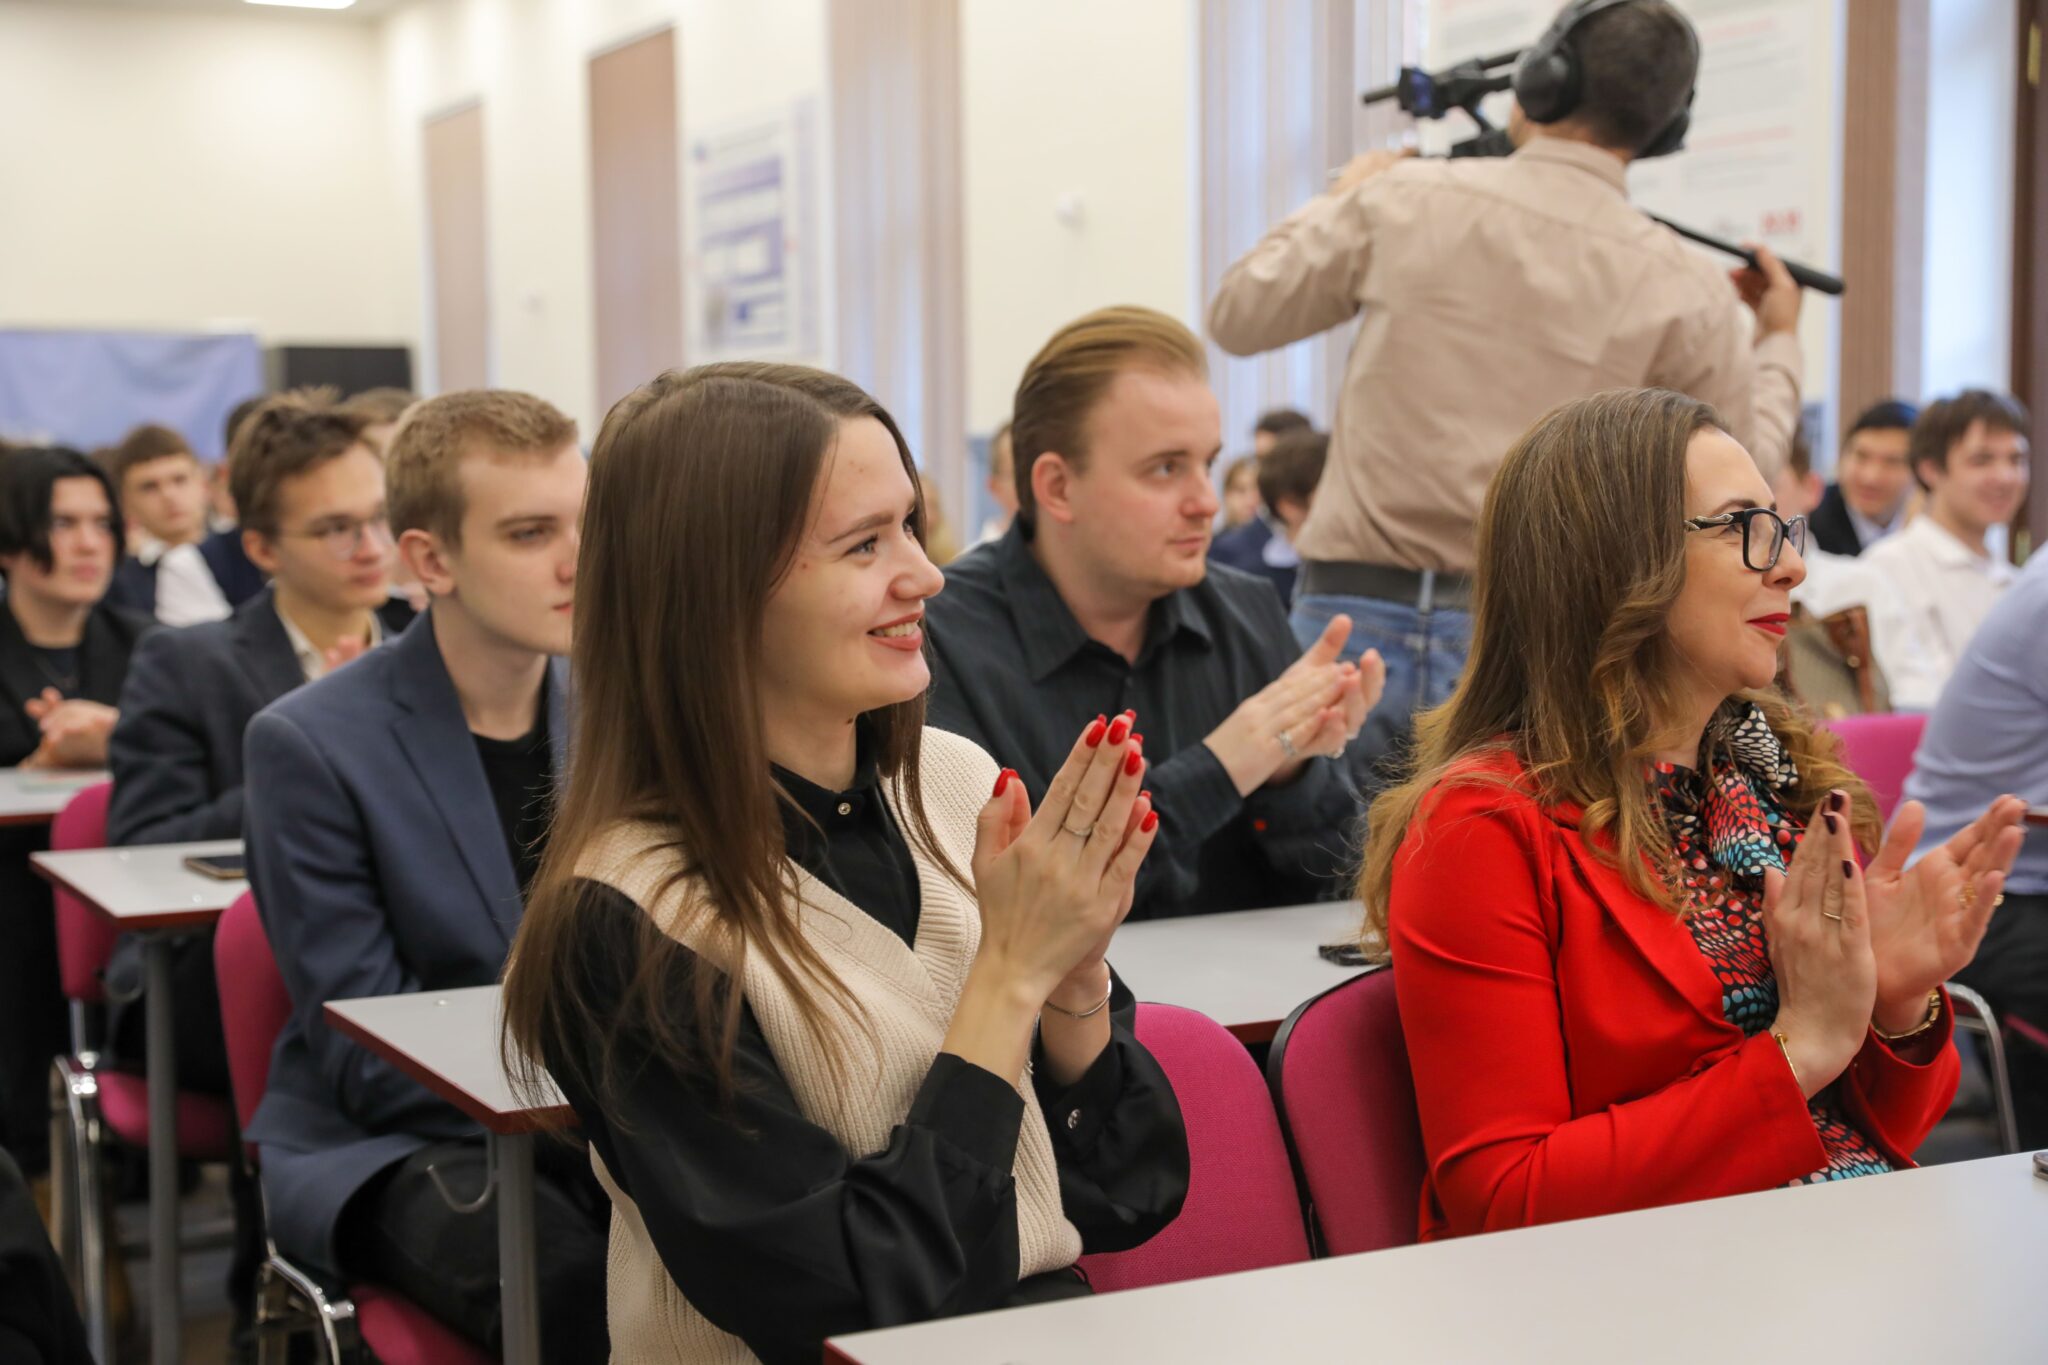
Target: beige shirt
{"x": 1489, "y": 292}
{"x": 1930, "y": 593}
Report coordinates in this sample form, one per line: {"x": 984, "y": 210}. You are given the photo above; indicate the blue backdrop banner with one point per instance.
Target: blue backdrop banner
{"x": 88, "y": 389}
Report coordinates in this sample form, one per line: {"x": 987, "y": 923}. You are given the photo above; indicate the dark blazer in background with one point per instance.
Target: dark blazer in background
{"x": 134, "y": 585}
{"x": 1830, "y": 524}
{"x": 380, "y": 866}
{"x": 1244, "y": 547}
{"x": 110, "y": 638}
{"x": 177, "y": 752}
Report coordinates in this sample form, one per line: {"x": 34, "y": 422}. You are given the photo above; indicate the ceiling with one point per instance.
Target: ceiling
{"x": 360, "y": 11}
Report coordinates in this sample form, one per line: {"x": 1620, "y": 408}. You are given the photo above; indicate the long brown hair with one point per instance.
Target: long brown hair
{"x": 701, "y": 487}
{"x": 1584, "y": 523}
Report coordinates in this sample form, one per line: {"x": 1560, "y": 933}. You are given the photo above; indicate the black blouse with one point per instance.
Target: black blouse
{"x": 774, "y": 1231}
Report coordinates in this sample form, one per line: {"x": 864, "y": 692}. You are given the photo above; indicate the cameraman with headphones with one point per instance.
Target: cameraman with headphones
{"x": 1489, "y": 291}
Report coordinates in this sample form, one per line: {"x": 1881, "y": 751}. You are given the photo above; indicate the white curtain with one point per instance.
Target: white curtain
{"x": 1280, "y": 83}
{"x": 902, "y": 329}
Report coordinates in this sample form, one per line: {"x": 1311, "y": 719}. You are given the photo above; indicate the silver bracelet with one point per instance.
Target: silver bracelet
{"x": 1090, "y": 1012}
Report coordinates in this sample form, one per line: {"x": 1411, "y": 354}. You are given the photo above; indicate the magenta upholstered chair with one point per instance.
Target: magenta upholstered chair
{"x": 1242, "y": 1210}
{"x": 1340, "y": 1078}
{"x": 254, "y": 1006}
{"x": 92, "y": 1103}
{"x": 1879, "y": 749}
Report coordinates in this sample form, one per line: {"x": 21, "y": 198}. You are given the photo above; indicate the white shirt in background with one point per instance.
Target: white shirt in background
{"x": 186, "y": 593}
{"x": 1833, "y": 583}
{"x": 1930, "y": 593}
{"x": 312, "y": 662}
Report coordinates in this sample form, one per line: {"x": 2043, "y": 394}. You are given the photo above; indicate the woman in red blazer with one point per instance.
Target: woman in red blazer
{"x": 1626, "y": 975}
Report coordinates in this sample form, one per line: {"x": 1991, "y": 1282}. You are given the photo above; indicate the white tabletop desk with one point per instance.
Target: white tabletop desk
{"x": 448, "y": 1042}
{"x": 34, "y": 796}
{"x": 148, "y": 890}
{"x": 1247, "y": 969}
{"x": 1941, "y": 1264}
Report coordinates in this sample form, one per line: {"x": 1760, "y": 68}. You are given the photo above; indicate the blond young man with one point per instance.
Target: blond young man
{"x": 402, "y": 806}
{"x": 1101, "y": 599}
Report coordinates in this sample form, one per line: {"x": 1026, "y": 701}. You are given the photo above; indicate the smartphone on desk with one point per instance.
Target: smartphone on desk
{"x": 222, "y": 867}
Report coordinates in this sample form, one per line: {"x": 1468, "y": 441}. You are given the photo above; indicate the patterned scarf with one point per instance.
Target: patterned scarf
{"x": 1745, "y": 776}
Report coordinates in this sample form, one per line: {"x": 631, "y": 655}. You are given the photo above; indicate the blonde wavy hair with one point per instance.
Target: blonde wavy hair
{"x": 1584, "y": 524}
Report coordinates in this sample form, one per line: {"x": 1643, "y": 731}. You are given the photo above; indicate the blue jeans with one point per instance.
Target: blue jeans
{"x": 1424, "y": 653}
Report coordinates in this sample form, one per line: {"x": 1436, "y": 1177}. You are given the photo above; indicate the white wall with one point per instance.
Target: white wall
{"x": 528, "y": 61}
{"x": 1083, "y": 99}
{"x": 1970, "y": 129}
{"x": 181, "y": 170}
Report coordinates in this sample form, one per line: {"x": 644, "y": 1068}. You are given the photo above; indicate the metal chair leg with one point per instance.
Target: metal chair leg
{"x": 1980, "y": 1020}
{"x": 82, "y": 1096}
{"x": 63, "y": 1178}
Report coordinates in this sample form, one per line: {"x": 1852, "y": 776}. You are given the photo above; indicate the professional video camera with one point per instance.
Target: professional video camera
{"x": 1463, "y": 86}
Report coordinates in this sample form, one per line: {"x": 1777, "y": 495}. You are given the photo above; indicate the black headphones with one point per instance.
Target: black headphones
{"x": 1548, "y": 81}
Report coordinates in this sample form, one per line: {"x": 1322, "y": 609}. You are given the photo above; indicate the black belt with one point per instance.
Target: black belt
{"x": 1424, "y": 590}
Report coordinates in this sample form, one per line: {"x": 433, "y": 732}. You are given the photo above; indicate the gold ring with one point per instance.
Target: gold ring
{"x": 1968, "y": 896}
{"x": 1836, "y": 918}
{"x": 1078, "y": 833}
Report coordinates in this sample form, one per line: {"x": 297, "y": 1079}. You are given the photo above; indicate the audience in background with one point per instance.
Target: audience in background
{"x": 1240, "y": 493}
{"x": 405, "y": 803}
{"x": 1935, "y": 580}
{"x": 830, "y": 1081}
{"x": 63, "y": 656}
{"x": 1101, "y": 600}
{"x": 1288, "y": 472}
{"x": 1989, "y": 734}
{"x": 1868, "y": 500}
{"x": 180, "y": 570}
{"x": 223, "y": 516}
{"x": 1275, "y": 423}
{"x": 1614, "y": 765}
{"x": 1826, "y": 664}
{"x": 1002, "y": 486}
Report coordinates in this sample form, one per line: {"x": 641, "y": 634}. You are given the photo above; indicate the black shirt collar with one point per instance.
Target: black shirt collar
{"x": 824, "y": 805}
{"x": 1047, "y": 629}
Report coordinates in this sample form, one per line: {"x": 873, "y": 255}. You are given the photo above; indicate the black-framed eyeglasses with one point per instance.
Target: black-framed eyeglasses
{"x": 1764, "y": 534}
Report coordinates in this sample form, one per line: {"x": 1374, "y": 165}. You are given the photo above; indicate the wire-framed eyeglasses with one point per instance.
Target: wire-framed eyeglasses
{"x": 1764, "y": 534}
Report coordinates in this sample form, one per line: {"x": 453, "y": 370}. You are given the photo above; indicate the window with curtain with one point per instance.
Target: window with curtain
{"x": 895, "y": 77}
{"x": 1279, "y": 90}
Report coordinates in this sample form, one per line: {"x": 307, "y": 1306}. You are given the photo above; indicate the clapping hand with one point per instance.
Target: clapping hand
{"x": 1927, "y": 920}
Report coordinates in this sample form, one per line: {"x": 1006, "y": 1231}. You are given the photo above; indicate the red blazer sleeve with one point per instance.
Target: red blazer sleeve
{"x": 1898, "y": 1102}
{"x": 1473, "y": 929}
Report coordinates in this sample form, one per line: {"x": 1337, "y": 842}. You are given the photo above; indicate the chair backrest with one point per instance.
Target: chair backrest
{"x": 1879, "y": 749}
{"x": 254, "y": 1003}
{"x": 1340, "y": 1078}
{"x": 84, "y": 940}
{"x": 1242, "y": 1209}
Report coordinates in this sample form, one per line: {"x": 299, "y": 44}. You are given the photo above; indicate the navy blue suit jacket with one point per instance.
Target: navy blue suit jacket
{"x": 134, "y": 585}
{"x": 1244, "y": 547}
{"x": 380, "y": 867}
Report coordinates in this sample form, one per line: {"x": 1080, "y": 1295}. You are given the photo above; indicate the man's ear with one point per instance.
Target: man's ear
{"x": 261, "y": 552}
{"x": 1052, "y": 480}
{"x": 428, "y": 559}
{"x": 1928, "y": 473}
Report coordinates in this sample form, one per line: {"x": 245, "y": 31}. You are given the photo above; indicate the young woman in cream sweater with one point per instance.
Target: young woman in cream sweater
{"x": 837, "y": 1022}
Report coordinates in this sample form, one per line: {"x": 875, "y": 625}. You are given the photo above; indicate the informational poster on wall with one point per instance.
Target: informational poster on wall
{"x": 1762, "y": 161}
{"x": 754, "y": 249}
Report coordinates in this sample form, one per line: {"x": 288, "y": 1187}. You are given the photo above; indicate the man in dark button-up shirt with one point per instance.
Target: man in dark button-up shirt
{"x": 1100, "y": 600}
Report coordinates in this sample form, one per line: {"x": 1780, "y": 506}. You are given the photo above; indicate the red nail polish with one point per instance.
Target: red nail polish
{"x": 1132, "y": 762}
{"x": 1093, "y": 736}
{"x": 1119, "y": 730}
{"x": 1145, "y": 795}
{"x": 1130, "y": 714}
{"x": 1138, "y": 739}
{"x": 1003, "y": 780}
{"x": 1151, "y": 822}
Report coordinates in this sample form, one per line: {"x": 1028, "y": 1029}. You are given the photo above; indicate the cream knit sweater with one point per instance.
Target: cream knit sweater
{"x": 909, "y": 997}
